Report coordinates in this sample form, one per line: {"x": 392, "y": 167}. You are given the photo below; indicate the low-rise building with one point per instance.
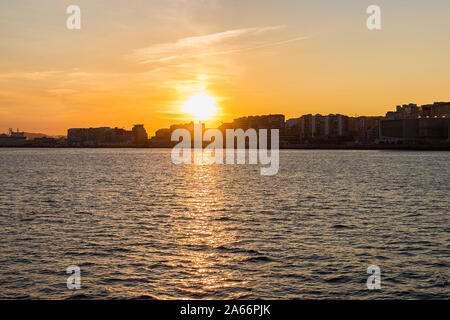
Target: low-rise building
{"x": 14, "y": 139}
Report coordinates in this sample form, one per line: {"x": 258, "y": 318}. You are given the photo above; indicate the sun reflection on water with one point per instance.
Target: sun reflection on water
{"x": 203, "y": 233}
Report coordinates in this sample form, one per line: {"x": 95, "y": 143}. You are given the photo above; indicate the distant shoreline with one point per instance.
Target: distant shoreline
{"x": 303, "y": 147}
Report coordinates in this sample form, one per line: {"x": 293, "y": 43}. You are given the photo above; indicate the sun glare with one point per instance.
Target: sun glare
{"x": 201, "y": 106}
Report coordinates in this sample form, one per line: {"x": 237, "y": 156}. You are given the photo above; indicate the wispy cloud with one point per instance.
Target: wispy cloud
{"x": 209, "y": 45}
{"x": 38, "y": 75}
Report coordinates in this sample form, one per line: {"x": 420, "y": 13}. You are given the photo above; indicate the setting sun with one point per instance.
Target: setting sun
{"x": 201, "y": 106}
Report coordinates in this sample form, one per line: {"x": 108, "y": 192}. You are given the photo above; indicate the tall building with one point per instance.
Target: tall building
{"x": 140, "y": 136}
{"x": 306, "y": 126}
{"x": 412, "y": 111}
{"x": 364, "y": 129}
{"x": 320, "y": 127}
{"x": 271, "y": 121}
{"x": 413, "y": 123}
{"x": 336, "y": 125}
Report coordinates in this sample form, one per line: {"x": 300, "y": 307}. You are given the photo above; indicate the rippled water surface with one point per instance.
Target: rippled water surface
{"x": 139, "y": 226}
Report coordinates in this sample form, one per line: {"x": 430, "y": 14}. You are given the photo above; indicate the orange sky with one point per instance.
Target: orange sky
{"x": 138, "y": 63}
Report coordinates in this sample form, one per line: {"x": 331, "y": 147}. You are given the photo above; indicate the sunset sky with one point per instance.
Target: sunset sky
{"x": 138, "y": 61}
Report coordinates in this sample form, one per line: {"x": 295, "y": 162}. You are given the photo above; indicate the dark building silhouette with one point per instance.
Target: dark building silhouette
{"x": 162, "y": 138}
{"x": 318, "y": 128}
{"x": 140, "y": 136}
{"x": 14, "y": 139}
{"x": 271, "y": 121}
{"x": 107, "y": 137}
{"x": 411, "y": 123}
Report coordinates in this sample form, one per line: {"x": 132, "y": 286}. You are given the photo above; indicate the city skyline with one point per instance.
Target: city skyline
{"x": 220, "y": 123}
{"x": 409, "y": 123}
{"x": 147, "y": 60}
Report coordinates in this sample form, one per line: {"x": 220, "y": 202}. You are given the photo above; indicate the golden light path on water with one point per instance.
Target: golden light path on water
{"x": 140, "y": 226}
{"x": 204, "y": 229}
